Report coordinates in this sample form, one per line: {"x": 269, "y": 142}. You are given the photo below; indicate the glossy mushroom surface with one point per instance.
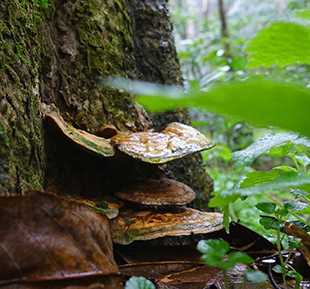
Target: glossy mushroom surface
{"x": 86, "y": 141}
{"x": 131, "y": 225}
{"x": 152, "y": 192}
{"x": 175, "y": 141}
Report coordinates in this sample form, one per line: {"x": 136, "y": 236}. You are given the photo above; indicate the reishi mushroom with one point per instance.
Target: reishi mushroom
{"x": 175, "y": 141}
{"x": 163, "y": 192}
{"x": 84, "y": 140}
{"x": 132, "y": 225}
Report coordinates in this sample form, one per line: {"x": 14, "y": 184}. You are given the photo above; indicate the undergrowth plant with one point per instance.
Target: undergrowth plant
{"x": 283, "y": 103}
{"x": 215, "y": 253}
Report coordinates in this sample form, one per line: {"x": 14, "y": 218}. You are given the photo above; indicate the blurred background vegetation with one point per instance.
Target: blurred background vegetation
{"x": 211, "y": 38}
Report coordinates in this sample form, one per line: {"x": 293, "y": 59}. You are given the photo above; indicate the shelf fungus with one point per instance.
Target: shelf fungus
{"x": 151, "y": 192}
{"x": 131, "y": 225}
{"x": 86, "y": 141}
{"x": 175, "y": 141}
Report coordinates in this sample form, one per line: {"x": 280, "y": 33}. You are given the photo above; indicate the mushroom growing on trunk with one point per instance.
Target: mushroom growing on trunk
{"x": 163, "y": 199}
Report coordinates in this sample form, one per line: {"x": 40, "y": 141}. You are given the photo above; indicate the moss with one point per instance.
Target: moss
{"x": 21, "y": 34}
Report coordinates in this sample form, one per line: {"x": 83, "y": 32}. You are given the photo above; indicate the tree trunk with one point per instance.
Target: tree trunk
{"x": 224, "y": 29}
{"x": 52, "y": 55}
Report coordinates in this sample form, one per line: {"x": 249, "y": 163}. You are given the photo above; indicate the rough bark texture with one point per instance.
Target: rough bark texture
{"x": 52, "y": 55}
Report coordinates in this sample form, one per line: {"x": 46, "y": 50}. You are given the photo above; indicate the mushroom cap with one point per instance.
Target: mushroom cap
{"x": 175, "y": 141}
{"x": 156, "y": 192}
{"x": 131, "y": 225}
{"x": 86, "y": 141}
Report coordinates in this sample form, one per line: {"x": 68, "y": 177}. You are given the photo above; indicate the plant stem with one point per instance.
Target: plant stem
{"x": 240, "y": 285}
{"x": 280, "y": 255}
{"x": 225, "y": 278}
{"x": 233, "y": 214}
{"x": 296, "y": 164}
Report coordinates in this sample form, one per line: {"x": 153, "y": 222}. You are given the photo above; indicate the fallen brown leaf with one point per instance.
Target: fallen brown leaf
{"x": 47, "y": 237}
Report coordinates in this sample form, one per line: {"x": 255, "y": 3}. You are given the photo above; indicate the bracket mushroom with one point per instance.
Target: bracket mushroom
{"x": 131, "y": 225}
{"x": 163, "y": 192}
{"x": 175, "y": 141}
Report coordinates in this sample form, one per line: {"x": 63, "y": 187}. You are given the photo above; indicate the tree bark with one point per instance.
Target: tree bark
{"x": 52, "y": 55}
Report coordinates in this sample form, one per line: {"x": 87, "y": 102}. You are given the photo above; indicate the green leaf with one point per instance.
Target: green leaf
{"x": 285, "y": 181}
{"x": 299, "y": 193}
{"x": 280, "y": 151}
{"x": 285, "y": 168}
{"x": 281, "y": 213}
{"x": 303, "y": 14}
{"x": 261, "y": 145}
{"x": 298, "y": 280}
{"x": 279, "y": 269}
{"x": 302, "y": 158}
{"x": 281, "y": 44}
{"x": 254, "y": 276}
{"x": 237, "y": 257}
{"x": 292, "y": 274}
{"x": 271, "y": 224}
{"x": 293, "y": 242}
{"x": 223, "y": 199}
{"x": 295, "y": 205}
{"x": 266, "y": 207}
{"x": 257, "y": 101}
{"x": 226, "y": 219}
{"x": 139, "y": 283}
{"x": 215, "y": 246}
{"x": 259, "y": 177}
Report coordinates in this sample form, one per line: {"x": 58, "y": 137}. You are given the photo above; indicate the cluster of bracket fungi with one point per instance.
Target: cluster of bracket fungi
{"x": 154, "y": 208}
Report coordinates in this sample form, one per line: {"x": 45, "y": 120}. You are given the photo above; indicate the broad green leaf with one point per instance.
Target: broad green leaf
{"x": 295, "y": 205}
{"x": 285, "y": 168}
{"x": 259, "y": 177}
{"x": 270, "y": 224}
{"x": 281, "y": 44}
{"x": 214, "y": 251}
{"x": 223, "y": 199}
{"x": 215, "y": 246}
{"x": 254, "y": 276}
{"x": 266, "y": 207}
{"x": 139, "y": 283}
{"x": 257, "y": 101}
{"x": 237, "y": 257}
{"x": 285, "y": 181}
{"x": 261, "y": 145}
{"x": 292, "y": 274}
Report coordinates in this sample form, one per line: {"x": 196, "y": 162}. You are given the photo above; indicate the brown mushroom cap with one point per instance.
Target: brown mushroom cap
{"x": 86, "y": 141}
{"x": 131, "y": 225}
{"x": 175, "y": 141}
{"x": 156, "y": 192}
